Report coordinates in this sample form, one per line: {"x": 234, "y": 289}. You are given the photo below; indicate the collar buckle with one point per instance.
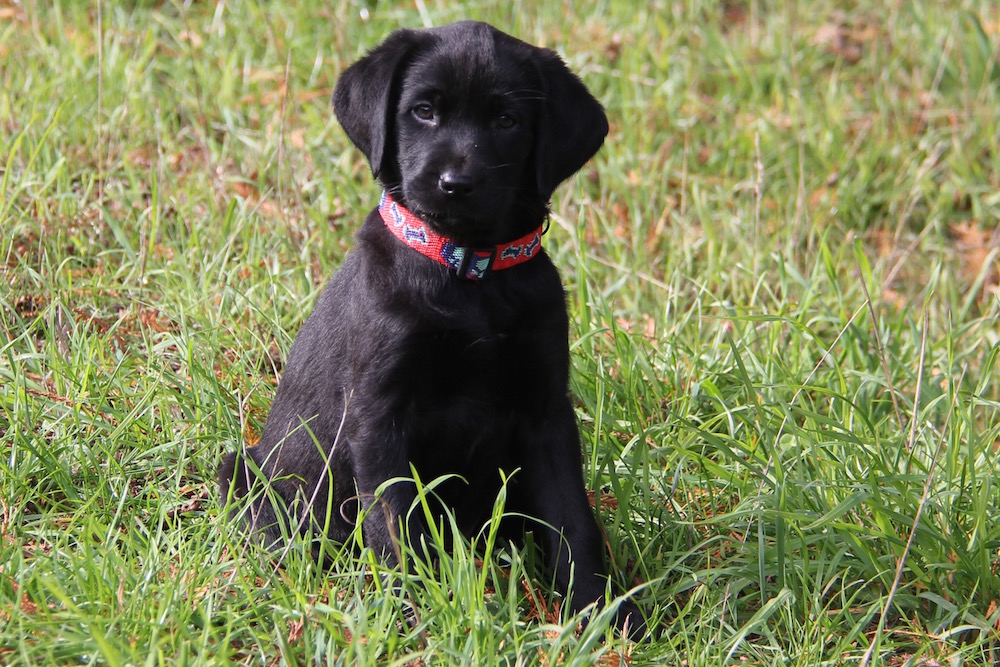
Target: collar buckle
{"x": 476, "y": 263}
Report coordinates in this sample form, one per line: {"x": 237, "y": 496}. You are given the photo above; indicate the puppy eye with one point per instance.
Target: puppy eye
{"x": 424, "y": 111}
{"x": 506, "y": 121}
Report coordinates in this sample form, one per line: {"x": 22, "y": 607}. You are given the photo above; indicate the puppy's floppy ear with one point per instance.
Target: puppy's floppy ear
{"x": 366, "y": 92}
{"x": 572, "y": 124}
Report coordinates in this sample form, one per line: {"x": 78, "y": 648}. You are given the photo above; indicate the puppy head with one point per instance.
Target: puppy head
{"x": 468, "y": 127}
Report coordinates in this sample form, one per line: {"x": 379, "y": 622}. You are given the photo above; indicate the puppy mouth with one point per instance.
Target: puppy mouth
{"x": 468, "y": 229}
{"x": 465, "y": 224}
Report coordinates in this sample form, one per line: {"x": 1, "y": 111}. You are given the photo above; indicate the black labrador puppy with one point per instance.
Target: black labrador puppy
{"x": 441, "y": 343}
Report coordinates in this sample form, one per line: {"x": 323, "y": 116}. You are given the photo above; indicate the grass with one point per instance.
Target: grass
{"x": 783, "y": 280}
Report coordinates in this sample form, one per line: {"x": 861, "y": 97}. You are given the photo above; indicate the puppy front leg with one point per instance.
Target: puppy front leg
{"x": 553, "y": 481}
{"x": 574, "y": 545}
{"x": 389, "y": 516}
{"x": 385, "y": 516}
{"x": 378, "y": 457}
{"x": 570, "y": 538}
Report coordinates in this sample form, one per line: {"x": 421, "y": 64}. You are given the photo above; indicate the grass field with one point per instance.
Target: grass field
{"x": 782, "y": 272}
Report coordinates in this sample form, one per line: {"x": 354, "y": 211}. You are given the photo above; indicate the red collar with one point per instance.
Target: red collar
{"x": 467, "y": 262}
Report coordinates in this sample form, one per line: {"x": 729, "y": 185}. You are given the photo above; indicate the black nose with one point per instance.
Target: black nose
{"x": 455, "y": 184}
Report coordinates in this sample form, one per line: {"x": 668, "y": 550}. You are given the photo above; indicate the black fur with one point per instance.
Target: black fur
{"x": 402, "y": 362}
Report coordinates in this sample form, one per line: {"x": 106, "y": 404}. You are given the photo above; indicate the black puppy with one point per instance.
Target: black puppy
{"x": 441, "y": 342}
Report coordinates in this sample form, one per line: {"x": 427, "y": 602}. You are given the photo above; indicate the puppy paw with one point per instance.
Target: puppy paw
{"x": 631, "y": 622}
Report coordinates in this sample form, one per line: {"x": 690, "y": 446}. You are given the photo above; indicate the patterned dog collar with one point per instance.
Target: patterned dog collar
{"x": 467, "y": 262}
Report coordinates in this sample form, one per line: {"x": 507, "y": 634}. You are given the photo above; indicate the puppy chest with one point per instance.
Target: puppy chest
{"x": 463, "y": 395}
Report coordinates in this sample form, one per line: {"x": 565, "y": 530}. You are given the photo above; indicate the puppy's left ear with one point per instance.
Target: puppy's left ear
{"x": 572, "y": 126}
{"x": 365, "y": 95}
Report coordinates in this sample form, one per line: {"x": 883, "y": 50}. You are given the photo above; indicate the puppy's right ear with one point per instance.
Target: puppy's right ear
{"x": 365, "y": 96}
{"x": 572, "y": 125}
